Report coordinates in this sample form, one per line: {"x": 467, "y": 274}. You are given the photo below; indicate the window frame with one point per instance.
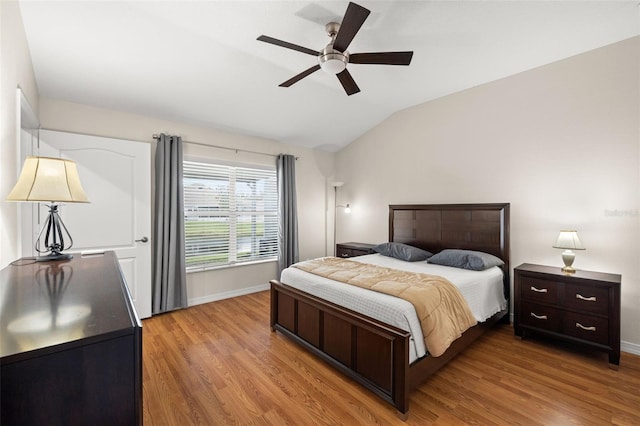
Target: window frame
{"x": 234, "y": 215}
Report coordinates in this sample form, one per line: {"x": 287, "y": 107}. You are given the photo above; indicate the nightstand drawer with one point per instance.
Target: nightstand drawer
{"x": 345, "y": 252}
{"x": 353, "y": 249}
{"x": 587, "y": 327}
{"x": 587, "y": 298}
{"x": 537, "y": 290}
{"x": 540, "y": 316}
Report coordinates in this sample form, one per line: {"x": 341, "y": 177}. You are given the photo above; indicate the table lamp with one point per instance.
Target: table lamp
{"x": 50, "y": 180}
{"x": 569, "y": 241}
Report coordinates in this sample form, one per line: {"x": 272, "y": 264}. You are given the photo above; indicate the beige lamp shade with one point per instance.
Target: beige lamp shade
{"x": 568, "y": 240}
{"x": 48, "y": 179}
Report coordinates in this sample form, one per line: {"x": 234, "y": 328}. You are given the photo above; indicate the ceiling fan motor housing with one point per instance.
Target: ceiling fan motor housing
{"x": 333, "y": 61}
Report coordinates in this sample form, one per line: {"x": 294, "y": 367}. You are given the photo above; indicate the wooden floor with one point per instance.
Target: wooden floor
{"x": 220, "y": 363}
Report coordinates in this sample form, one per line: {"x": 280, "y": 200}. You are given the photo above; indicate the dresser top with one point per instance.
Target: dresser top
{"x": 47, "y": 305}
{"x": 579, "y": 274}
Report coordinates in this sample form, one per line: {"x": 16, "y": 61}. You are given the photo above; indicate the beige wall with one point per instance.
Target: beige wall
{"x": 311, "y": 173}
{"x": 560, "y": 143}
{"x": 16, "y": 71}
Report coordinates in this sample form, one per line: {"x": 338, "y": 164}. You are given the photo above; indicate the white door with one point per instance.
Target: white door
{"x": 116, "y": 176}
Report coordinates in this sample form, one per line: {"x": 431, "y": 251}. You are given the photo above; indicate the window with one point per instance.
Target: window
{"x": 230, "y": 214}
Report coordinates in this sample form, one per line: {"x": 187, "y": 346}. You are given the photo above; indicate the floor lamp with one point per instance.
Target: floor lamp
{"x": 347, "y": 209}
{"x": 52, "y": 180}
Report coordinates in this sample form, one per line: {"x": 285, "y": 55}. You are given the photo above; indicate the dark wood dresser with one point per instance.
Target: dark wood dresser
{"x": 70, "y": 344}
{"x": 583, "y": 307}
{"x": 353, "y": 249}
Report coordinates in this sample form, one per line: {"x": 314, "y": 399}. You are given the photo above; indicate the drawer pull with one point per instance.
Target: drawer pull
{"x": 588, "y": 299}
{"x": 578, "y": 325}
{"x": 542, "y": 317}
{"x": 539, "y": 290}
{"x": 344, "y": 254}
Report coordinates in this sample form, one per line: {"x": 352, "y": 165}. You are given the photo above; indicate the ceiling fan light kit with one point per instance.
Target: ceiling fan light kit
{"x": 333, "y": 59}
{"x": 333, "y": 62}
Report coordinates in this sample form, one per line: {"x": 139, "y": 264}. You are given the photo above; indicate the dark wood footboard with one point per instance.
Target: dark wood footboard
{"x": 374, "y": 354}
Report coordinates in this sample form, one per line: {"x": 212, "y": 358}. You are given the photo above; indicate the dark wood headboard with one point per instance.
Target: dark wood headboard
{"x": 434, "y": 227}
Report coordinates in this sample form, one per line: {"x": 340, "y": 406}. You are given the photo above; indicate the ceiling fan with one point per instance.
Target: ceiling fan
{"x": 335, "y": 57}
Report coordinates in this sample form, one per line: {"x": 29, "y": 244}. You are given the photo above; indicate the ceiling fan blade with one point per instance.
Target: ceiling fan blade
{"x": 348, "y": 83}
{"x": 353, "y": 19}
{"x": 288, "y": 45}
{"x": 300, "y": 76}
{"x": 381, "y": 58}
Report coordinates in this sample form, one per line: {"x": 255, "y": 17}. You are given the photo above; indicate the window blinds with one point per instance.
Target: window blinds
{"x": 230, "y": 213}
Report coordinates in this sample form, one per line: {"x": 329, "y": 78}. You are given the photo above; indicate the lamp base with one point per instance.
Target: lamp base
{"x": 568, "y": 257}
{"x": 54, "y": 238}
{"x": 54, "y": 257}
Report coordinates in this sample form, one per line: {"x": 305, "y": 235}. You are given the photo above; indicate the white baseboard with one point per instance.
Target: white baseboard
{"x": 632, "y": 348}
{"x": 228, "y": 294}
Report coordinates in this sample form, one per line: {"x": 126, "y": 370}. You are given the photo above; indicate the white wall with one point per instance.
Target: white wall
{"x": 16, "y": 71}
{"x": 312, "y": 170}
{"x": 561, "y": 143}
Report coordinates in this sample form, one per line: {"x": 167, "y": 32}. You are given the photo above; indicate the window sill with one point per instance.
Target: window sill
{"x": 232, "y": 265}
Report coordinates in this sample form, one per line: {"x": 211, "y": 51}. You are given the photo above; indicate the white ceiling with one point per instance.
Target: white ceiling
{"x": 199, "y": 61}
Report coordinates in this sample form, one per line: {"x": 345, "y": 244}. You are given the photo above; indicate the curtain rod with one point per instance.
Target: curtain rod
{"x": 156, "y": 136}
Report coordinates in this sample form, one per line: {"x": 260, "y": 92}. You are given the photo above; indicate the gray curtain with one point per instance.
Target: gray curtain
{"x": 169, "y": 274}
{"x": 287, "y": 212}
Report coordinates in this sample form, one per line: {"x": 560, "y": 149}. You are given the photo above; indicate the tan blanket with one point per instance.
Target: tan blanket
{"x": 442, "y": 311}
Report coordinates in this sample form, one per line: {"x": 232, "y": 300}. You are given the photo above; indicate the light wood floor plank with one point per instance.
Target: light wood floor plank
{"x": 220, "y": 364}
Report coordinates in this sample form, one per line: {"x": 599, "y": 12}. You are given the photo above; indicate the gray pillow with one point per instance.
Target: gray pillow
{"x": 465, "y": 259}
{"x": 402, "y": 252}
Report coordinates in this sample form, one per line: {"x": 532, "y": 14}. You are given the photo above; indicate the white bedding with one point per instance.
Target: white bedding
{"x": 483, "y": 291}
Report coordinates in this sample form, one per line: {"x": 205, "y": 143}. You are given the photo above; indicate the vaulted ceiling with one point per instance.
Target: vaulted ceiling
{"x": 199, "y": 61}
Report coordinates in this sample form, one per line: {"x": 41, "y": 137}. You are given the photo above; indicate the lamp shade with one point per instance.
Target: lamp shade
{"x": 568, "y": 240}
{"x": 48, "y": 179}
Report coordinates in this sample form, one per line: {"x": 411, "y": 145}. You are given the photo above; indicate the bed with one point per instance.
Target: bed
{"x": 380, "y": 356}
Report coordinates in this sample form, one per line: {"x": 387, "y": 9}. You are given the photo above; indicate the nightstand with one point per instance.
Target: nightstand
{"x": 353, "y": 249}
{"x": 583, "y": 307}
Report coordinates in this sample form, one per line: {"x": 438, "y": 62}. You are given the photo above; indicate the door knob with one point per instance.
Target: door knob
{"x": 142, "y": 240}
